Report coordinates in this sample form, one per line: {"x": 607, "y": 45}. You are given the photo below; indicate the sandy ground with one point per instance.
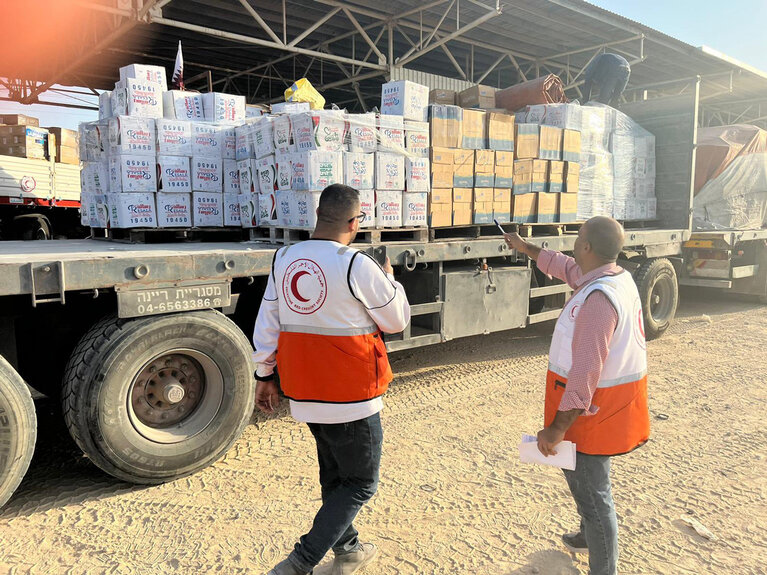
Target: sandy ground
{"x": 453, "y": 496}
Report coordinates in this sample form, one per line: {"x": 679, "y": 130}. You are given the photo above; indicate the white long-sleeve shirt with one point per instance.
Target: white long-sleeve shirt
{"x": 357, "y": 294}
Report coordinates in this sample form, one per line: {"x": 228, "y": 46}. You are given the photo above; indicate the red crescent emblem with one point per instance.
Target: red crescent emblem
{"x": 294, "y": 286}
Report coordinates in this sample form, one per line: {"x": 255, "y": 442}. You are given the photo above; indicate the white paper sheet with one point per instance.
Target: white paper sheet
{"x": 564, "y": 459}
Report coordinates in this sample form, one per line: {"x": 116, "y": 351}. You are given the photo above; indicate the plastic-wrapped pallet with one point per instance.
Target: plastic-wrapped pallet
{"x": 595, "y": 191}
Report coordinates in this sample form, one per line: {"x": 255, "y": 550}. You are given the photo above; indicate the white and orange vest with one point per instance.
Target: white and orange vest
{"x": 329, "y": 349}
{"x": 623, "y": 421}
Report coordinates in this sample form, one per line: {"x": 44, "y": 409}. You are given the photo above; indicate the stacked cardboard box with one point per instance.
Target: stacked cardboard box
{"x": 24, "y": 141}
{"x": 66, "y": 145}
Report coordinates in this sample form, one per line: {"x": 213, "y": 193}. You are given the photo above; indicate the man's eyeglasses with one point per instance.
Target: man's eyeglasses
{"x": 360, "y": 217}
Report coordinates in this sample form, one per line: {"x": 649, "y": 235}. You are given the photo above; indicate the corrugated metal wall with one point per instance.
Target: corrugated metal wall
{"x": 433, "y": 81}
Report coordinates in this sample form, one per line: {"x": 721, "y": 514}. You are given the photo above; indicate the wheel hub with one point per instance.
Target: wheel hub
{"x": 167, "y": 390}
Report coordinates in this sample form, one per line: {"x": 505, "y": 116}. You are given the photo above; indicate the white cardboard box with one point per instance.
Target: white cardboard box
{"x": 368, "y": 207}
{"x": 131, "y": 173}
{"x": 390, "y": 171}
{"x": 359, "y": 170}
{"x": 315, "y": 170}
{"x": 94, "y": 141}
{"x": 388, "y": 209}
{"x": 391, "y": 134}
{"x": 174, "y": 137}
{"x": 243, "y": 144}
{"x": 178, "y": 105}
{"x": 132, "y": 211}
{"x": 219, "y": 107}
{"x": 267, "y": 174}
{"x": 105, "y": 105}
{"x": 285, "y": 202}
{"x": 118, "y": 102}
{"x": 207, "y": 140}
{"x": 232, "y": 210}
{"x": 231, "y": 177}
{"x": 228, "y": 142}
{"x": 417, "y": 138}
{"x": 363, "y": 136}
{"x": 417, "y": 174}
{"x": 262, "y": 138}
{"x": 207, "y": 175}
{"x": 142, "y": 99}
{"x": 267, "y": 209}
{"x": 145, "y": 73}
{"x": 173, "y": 174}
{"x": 281, "y": 134}
{"x": 248, "y": 174}
{"x": 174, "y": 210}
{"x": 95, "y": 177}
{"x": 403, "y": 98}
{"x": 414, "y": 209}
{"x": 319, "y": 130}
{"x": 284, "y": 169}
{"x": 290, "y": 107}
{"x": 129, "y": 135}
{"x": 248, "y": 210}
{"x": 208, "y": 209}
{"x": 306, "y": 213}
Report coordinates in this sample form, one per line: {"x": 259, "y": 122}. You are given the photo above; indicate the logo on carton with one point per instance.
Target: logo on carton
{"x": 304, "y": 287}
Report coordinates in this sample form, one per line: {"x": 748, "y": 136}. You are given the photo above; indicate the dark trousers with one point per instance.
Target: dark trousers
{"x": 349, "y": 456}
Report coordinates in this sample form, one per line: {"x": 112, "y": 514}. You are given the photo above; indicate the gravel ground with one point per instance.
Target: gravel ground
{"x": 453, "y": 496}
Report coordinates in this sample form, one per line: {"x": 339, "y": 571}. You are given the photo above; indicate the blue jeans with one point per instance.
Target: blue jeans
{"x": 590, "y": 486}
{"x": 350, "y": 456}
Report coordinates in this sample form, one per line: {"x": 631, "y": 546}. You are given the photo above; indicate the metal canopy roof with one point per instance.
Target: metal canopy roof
{"x": 348, "y": 47}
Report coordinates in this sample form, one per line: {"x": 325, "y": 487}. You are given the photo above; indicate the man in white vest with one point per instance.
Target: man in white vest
{"x": 320, "y": 323}
{"x": 596, "y": 386}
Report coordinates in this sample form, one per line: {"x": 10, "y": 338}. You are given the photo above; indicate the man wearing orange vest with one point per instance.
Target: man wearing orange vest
{"x": 320, "y": 323}
{"x": 596, "y": 386}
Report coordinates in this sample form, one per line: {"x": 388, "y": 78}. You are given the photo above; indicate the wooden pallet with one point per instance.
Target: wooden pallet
{"x": 469, "y": 232}
{"x": 169, "y": 235}
{"x": 640, "y": 224}
{"x": 288, "y": 235}
{"x": 553, "y": 229}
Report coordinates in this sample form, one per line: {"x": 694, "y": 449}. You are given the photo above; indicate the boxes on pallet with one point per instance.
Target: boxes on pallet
{"x": 261, "y": 137}
{"x": 390, "y": 171}
{"x": 248, "y": 210}
{"x": 572, "y": 177}
{"x": 463, "y": 168}
{"x": 363, "y": 135}
{"x": 417, "y": 175}
{"x": 482, "y": 213}
{"x": 524, "y": 208}
{"x": 445, "y": 97}
{"x": 502, "y": 211}
{"x": 98, "y": 211}
{"x": 95, "y": 177}
{"x": 484, "y": 168}
{"x": 368, "y": 207}
{"x": 529, "y": 176}
{"x": 131, "y": 173}
{"x": 417, "y": 138}
{"x": 24, "y": 142}
{"x": 129, "y": 135}
{"x": 406, "y": 99}
{"x": 207, "y": 210}
{"x": 482, "y": 195}
{"x": 267, "y": 209}
{"x": 478, "y": 96}
{"x": 305, "y": 213}
{"x": 282, "y": 134}
{"x": 218, "y": 107}
{"x": 284, "y": 171}
{"x": 231, "y": 177}
{"x": 145, "y": 73}
{"x": 556, "y": 179}
{"x": 179, "y": 105}
{"x": 564, "y": 116}
{"x": 568, "y": 208}
{"x": 228, "y": 142}
{"x": 94, "y": 141}
{"x": 207, "y": 175}
{"x": 290, "y": 107}
{"x": 243, "y": 142}
{"x": 19, "y": 120}
{"x": 446, "y": 123}
{"x": 440, "y": 214}
{"x": 463, "y": 195}
{"x": 548, "y": 205}
{"x": 441, "y": 195}
{"x": 502, "y": 195}
{"x": 500, "y": 131}
{"x": 132, "y": 210}
{"x": 323, "y": 130}
{"x": 266, "y": 170}
{"x": 315, "y": 170}
{"x": 105, "y": 105}
{"x": 388, "y": 208}
{"x": 173, "y": 174}
{"x": 550, "y": 143}
{"x": 174, "y": 210}
{"x": 248, "y": 176}
{"x": 414, "y": 209}
{"x": 138, "y": 98}
{"x": 526, "y": 141}
{"x": 232, "y": 210}
{"x": 391, "y": 134}
{"x": 474, "y": 131}
{"x": 64, "y": 137}
{"x": 462, "y": 213}
{"x": 441, "y": 167}
{"x": 206, "y": 140}
{"x": 571, "y": 146}
{"x": 174, "y": 137}
{"x": 504, "y": 169}
{"x": 359, "y": 170}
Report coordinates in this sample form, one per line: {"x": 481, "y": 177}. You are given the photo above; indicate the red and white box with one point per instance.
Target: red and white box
{"x": 129, "y": 135}
{"x": 207, "y": 140}
{"x": 248, "y": 210}
{"x": 368, "y": 207}
{"x": 173, "y": 174}
{"x": 404, "y": 98}
{"x": 390, "y": 171}
{"x": 174, "y": 137}
{"x": 174, "y": 210}
{"x": 231, "y": 177}
{"x": 391, "y": 134}
{"x": 207, "y": 210}
{"x": 359, "y": 170}
{"x": 131, "y": 173}
{"x": 417, "y": 174}
{"x": 132, "y": 211}
{"x": 267, "y": 209}
{"x": 389, "y": 208}
{"x": 145, "y": 73}
{"x": 267, "y": 174}
{"x": 414, "y": 209}
{"x": 363, "y": 136}
{"x": 207, "y": 175}
{"x": 179, "y": 105}
{"x": 417, "y": 138}
{"x": 219, "y": 107}
{"x": 232, "y": 210}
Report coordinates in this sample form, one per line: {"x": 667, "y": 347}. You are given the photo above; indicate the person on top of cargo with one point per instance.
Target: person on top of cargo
{"x": 610, "y": 73}
{"x": 320, "y": 323}
{"x": 596, "y": 386}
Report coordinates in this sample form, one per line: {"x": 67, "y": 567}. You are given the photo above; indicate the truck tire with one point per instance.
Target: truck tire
{"x": 18, "y": 429}
{"x": 659, "y": 293}
{"x": 153, "y": 399}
